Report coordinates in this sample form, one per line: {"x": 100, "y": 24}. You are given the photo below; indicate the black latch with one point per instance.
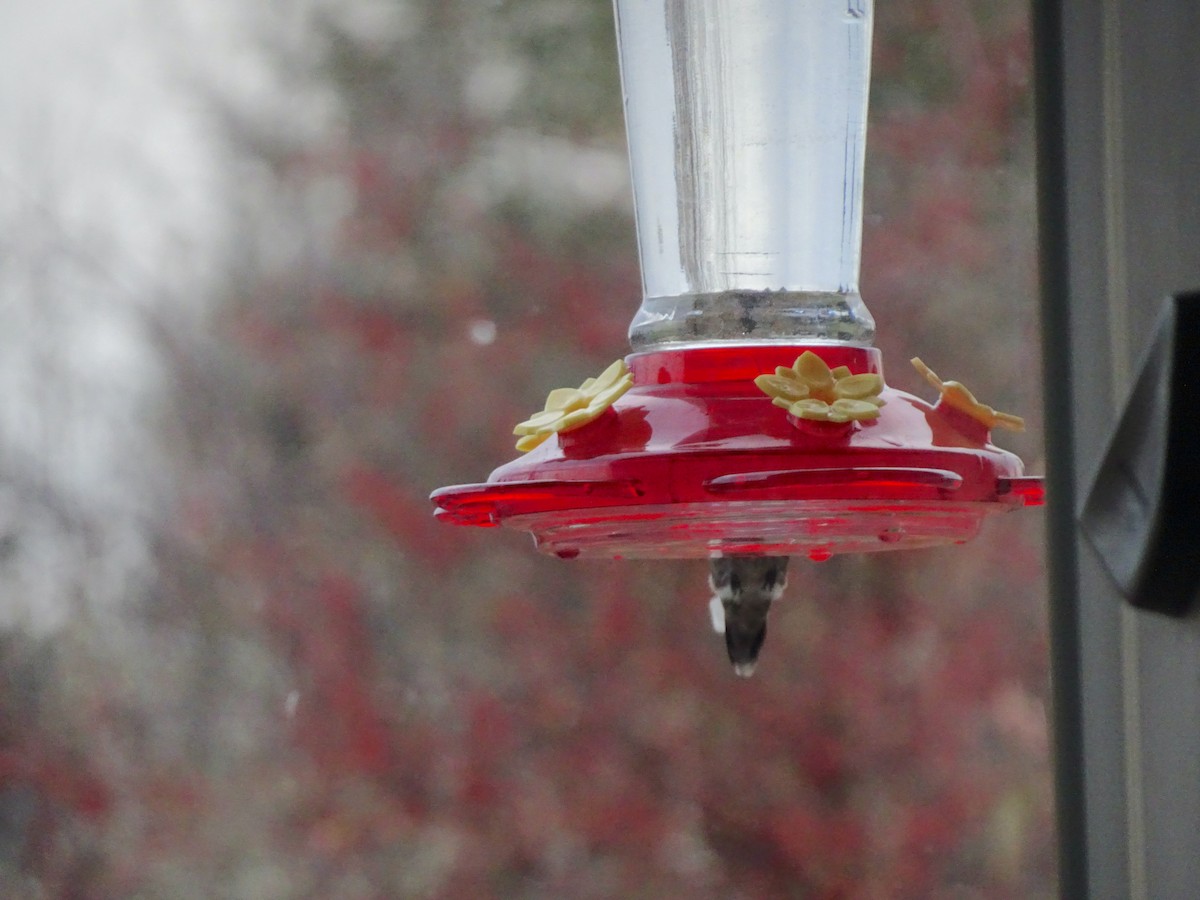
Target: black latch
{"x": 1142, "y": 514}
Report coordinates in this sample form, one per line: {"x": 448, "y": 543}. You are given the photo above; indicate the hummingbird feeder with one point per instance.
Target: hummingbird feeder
{"x": 753, "y": 416}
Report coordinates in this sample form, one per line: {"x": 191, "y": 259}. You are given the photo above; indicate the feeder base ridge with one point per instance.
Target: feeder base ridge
{"x": 696, "y": 461}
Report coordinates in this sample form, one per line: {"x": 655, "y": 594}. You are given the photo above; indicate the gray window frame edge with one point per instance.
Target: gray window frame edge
{"x": 1118, "y": 145}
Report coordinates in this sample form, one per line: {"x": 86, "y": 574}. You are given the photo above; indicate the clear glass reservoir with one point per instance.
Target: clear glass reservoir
{"x": 747, "y": 127}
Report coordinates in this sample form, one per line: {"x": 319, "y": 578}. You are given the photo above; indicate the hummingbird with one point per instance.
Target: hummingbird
{"x": 744, "y": 589}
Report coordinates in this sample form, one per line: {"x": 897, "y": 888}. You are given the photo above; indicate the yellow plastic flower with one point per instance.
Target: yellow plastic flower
{"x": 957, "y": 396}
{"x": 568, "y": 408}
{"x": 811, "y": 390}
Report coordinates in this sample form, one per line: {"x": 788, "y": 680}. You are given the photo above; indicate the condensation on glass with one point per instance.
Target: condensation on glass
{"x": 746, "y": 122}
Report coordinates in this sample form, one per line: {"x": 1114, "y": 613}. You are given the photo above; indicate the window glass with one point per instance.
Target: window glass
{"x": 269, "y": 274}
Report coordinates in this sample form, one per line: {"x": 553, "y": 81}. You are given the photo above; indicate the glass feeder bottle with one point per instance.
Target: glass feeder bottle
{"x": 746, "y": 123}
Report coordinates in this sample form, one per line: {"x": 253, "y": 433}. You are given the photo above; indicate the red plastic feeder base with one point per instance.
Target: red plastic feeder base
{"x": 695, "y": 461}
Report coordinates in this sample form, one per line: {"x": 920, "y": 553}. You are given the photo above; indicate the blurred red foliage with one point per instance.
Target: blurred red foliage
{"x": 394, "y": 708}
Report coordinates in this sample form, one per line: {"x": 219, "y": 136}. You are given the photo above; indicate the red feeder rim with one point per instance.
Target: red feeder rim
{"x": 696, "y": 461}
